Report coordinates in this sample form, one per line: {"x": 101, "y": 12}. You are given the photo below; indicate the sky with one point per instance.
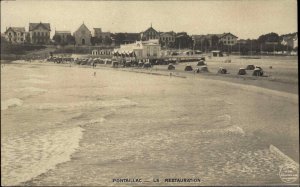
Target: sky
{"x": 244, "y": 18}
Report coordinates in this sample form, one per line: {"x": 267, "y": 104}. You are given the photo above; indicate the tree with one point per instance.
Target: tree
{"x": 70, "y": 39}
{"x": 107, "y": 40}
{"x": 27, "y": 38}
{"x": 119, "y": 38}
{"x": 57, "y": 39}
{"x": 270, "y": 37}
{"x": 214, "y": 40}
{"x": 3, "y": 40}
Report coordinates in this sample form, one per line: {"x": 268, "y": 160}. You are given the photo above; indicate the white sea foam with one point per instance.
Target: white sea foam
{"x": 30, "y": 89}
{"x": 231, "y": 130}
{"x": 84, "y": 104}
{"x": 30, "y": 155}
{"x": 35, "y": 81}
{"x": 10, "y": 103}
{"x": 37, "y": 76}
{"x": 99, "y": 120}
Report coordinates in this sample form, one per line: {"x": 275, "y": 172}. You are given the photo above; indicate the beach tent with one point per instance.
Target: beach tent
{"x": 258, "y": 72}
{"x": 250, "y": 67}
{"x": 242, "y": 71}
{"x": 222, "y": 70}
{"x": 188, "y": 68}
{"x": 147, "y": 65}
{"x": 171, "y": 67}
{"x": 115, "y": 64}
{"x": 201, "y": 63}
{"x": 203, "y": 69}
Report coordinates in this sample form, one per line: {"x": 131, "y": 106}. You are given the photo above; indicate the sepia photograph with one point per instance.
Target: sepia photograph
{"x": 149, "y": 93}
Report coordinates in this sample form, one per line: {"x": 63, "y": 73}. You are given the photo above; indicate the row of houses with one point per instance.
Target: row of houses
{"x": 39, "y": 33}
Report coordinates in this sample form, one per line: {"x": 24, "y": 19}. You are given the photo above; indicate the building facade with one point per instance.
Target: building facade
{"x": 150, "y": 34}
{"x": 167, "y": 38}
{"x": 228, "y": 39}
{"x": 15, "y": 35}
{"x": 209, "y": 40}
{"x": 82, "y": 35}
{"x": 39, "y": 33}
{"x": 142, "y": 49}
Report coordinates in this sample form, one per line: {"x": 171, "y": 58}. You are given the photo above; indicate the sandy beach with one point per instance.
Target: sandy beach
{"x": 63, "y": 125}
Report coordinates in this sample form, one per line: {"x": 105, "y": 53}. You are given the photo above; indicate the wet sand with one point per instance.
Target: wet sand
{"x": 136, "y": 125}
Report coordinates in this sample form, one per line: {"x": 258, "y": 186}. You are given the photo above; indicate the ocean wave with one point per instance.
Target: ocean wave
{"x": 37, "y": 76}
{"x": 11, "y": 103}
{"x": 35, "y": 81}
{"x": 30, "y": 89}
{"x": 30, "y": 155}
{"x": 84, "y": 104}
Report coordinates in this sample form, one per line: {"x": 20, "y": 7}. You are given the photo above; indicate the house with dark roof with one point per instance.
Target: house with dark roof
{"x": 150, "y": 34}
{"x": 39, "y": 33}
{"x": 131, "y": 37}
{"x": 15, "y": 34}
{"x": 83, "y": 35}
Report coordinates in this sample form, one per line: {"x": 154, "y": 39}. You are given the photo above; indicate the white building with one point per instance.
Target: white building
{"x": 15, "y": 34}
{"x": 142, "y": 49}
{"x": 228, "y": 39}
{"x": 290, "y": 41}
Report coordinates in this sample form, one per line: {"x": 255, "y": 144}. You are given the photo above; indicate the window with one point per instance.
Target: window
{"x": 155, "y": 51}
{"x": 148, "y": 51}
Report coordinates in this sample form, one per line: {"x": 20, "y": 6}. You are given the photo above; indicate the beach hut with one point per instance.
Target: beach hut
{"x": 217, "y": 53}
{"x": 250, "y": 67}
{"x": 258, "y": 72}
{"x": 171, "y": 67}
{"x": 222, "y": 70}
{"x": 201, "y": 63}
{"x": 242, "y": 71}
{"x": 188, "y": 68}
